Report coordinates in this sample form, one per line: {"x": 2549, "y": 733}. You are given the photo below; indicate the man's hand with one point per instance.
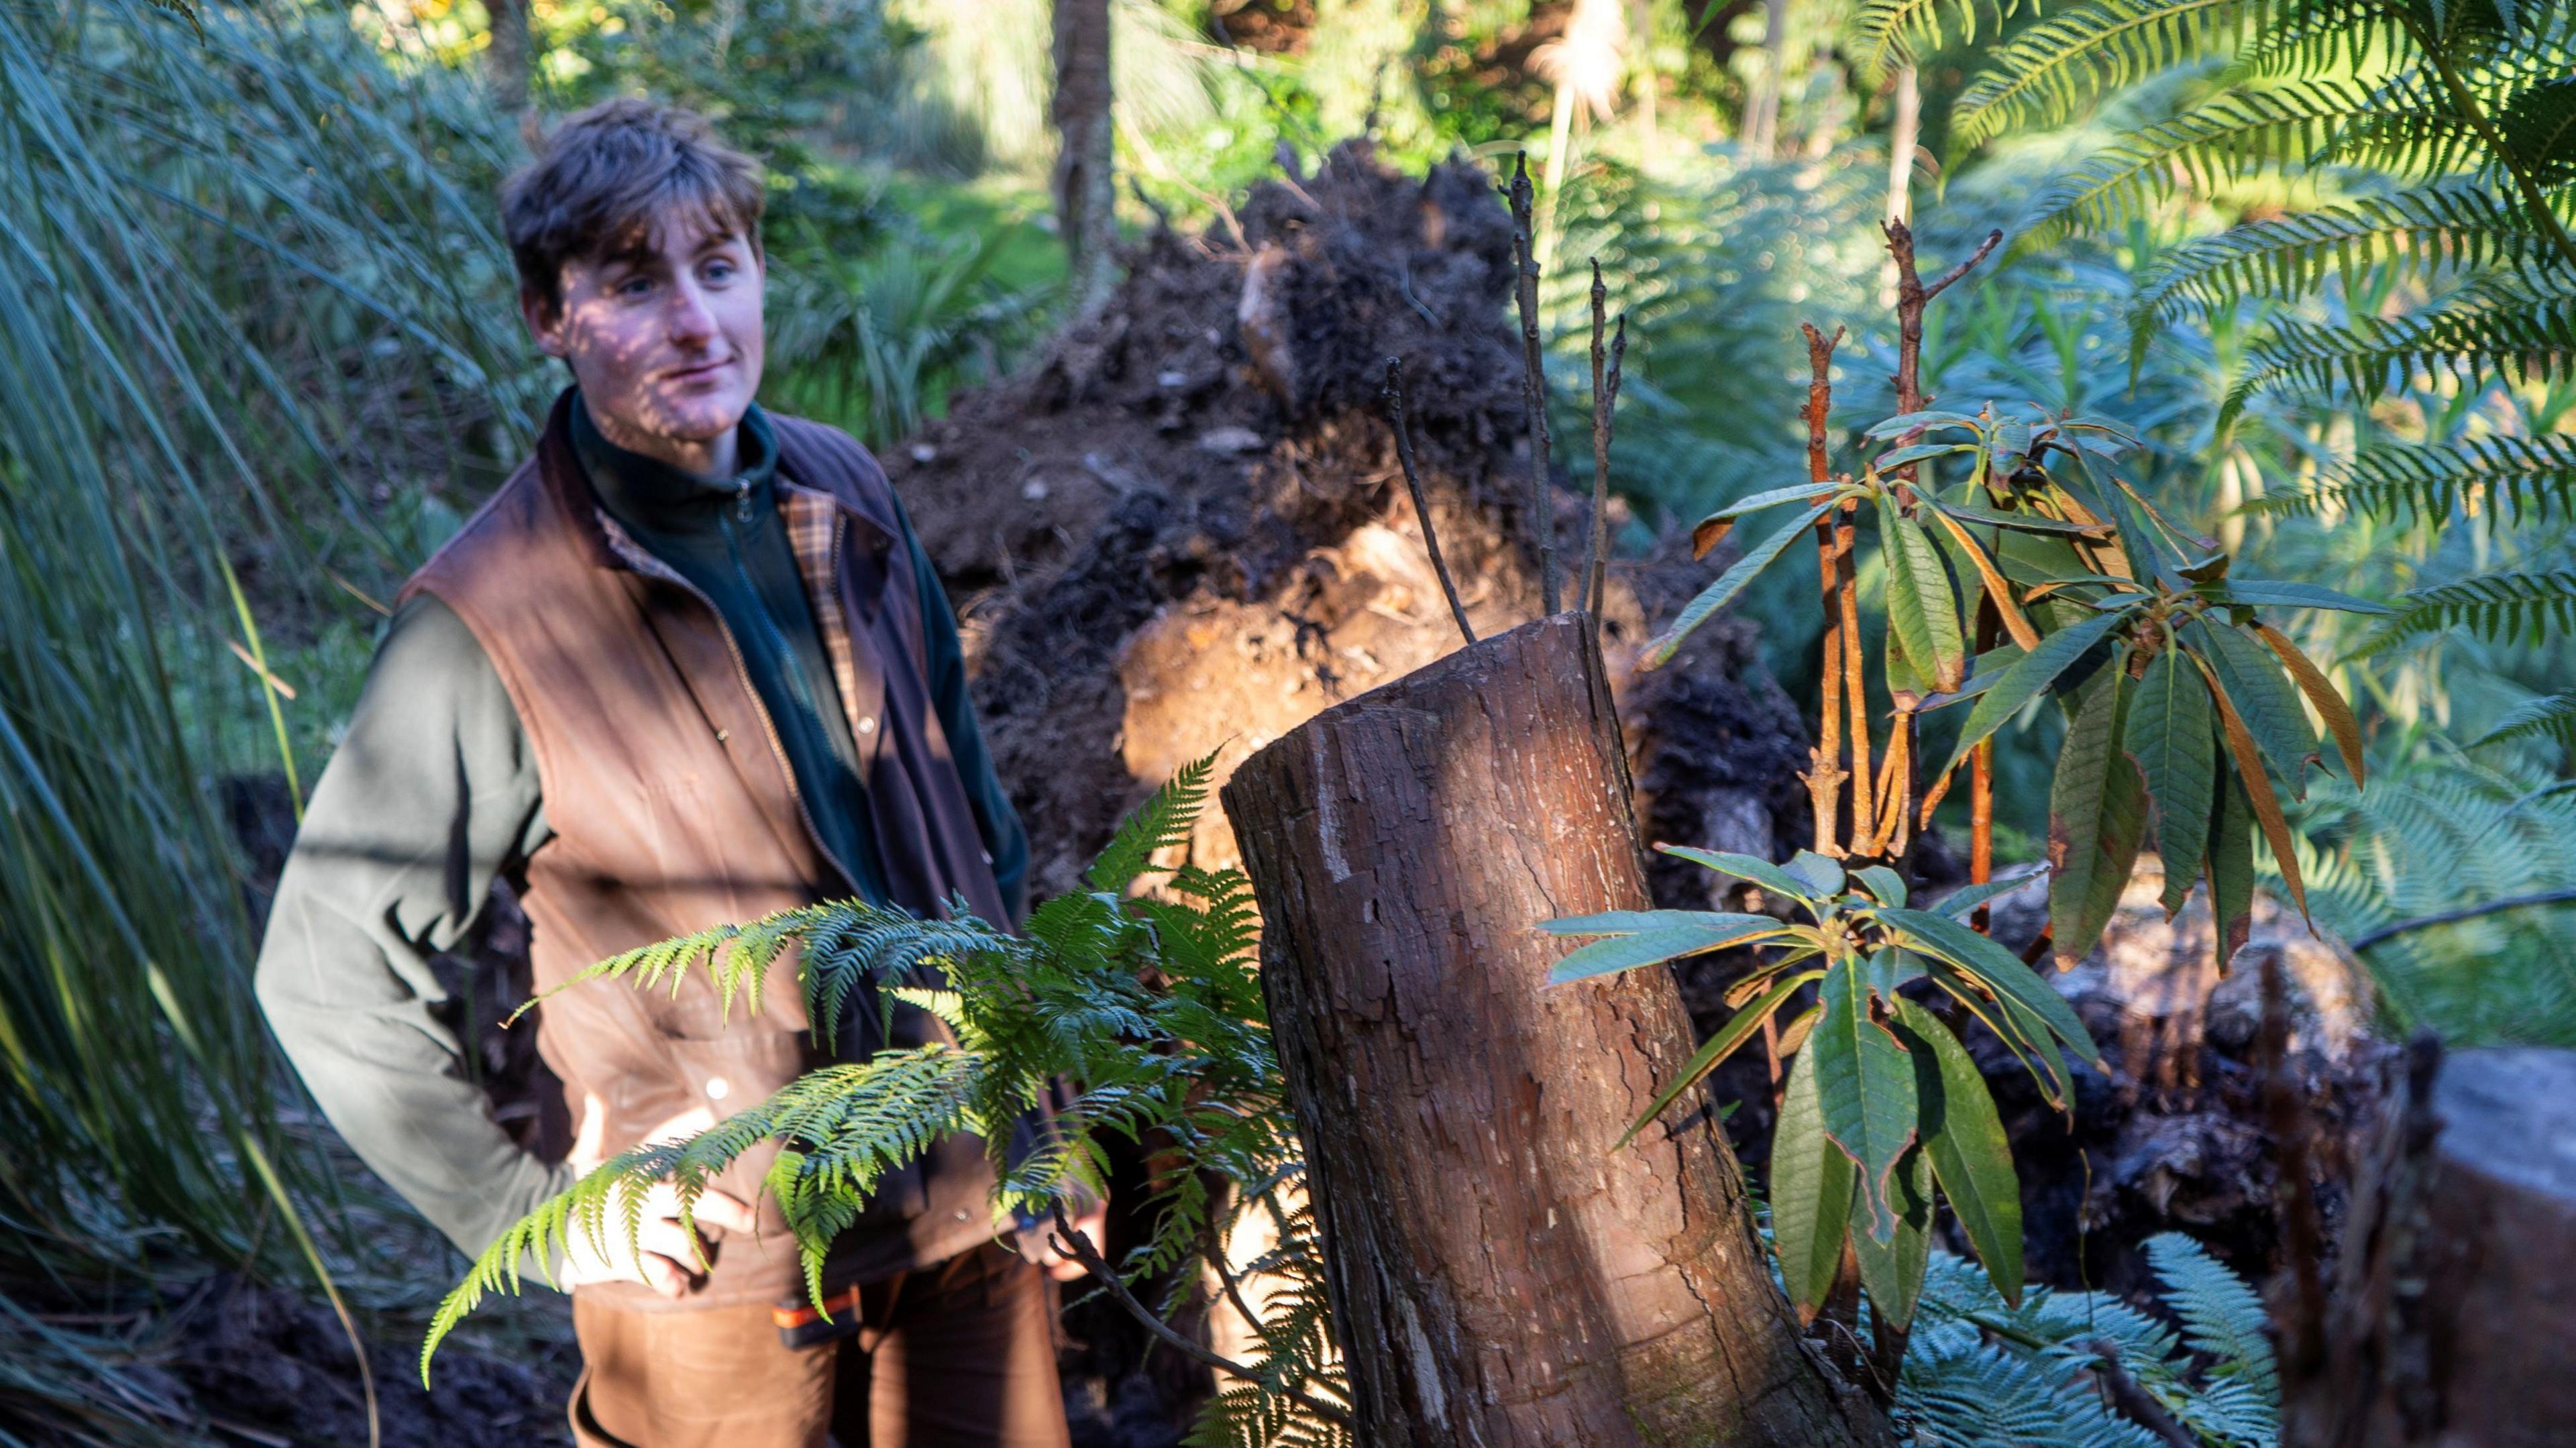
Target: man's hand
{"x": 664, "y": 1255}
{"x": 1093, "y": 1223}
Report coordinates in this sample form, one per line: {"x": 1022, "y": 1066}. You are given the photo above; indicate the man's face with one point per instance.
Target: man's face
{"x": 664, "y": 337}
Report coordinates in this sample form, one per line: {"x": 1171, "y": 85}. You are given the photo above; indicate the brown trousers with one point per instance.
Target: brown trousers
{"x": 961, "y": 1355}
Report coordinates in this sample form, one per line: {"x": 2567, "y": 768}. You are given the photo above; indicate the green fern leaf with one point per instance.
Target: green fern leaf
{"x": 2044, "y": 73}
{"x": 2220, "y": 142}
{"x": 2497, "y": 331}
{"x": 1163, "y": 820}
{"x": 2425, "y": 232}
{"x": 2498, "y": 606}
{"x": 2529, "y": 479}
{"x": 2551, "y": 716}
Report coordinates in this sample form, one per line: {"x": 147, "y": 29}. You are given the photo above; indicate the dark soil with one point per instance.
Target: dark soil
{"x": 265, "y": 1364}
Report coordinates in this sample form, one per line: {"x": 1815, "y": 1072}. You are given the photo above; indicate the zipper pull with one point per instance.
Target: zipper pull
{"x": 742, "y": 500}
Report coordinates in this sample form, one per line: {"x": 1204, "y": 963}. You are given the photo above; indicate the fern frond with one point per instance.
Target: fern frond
{"x": 2220, "y": 142}
{"x": 1162, "y": 820}
{"x": 2429, "y": 231}
{"x": 2508, "y": 332}
{"x": 2551, "y": 716}
{"x": 2499, "y": 606}
{"x": 2222, "y": 1318}
{"x": 1887, "y": 35}
{"x": 2047, "y": 71}
{"x": 2539, "y": 128}
{"x": 2525, "y": 478}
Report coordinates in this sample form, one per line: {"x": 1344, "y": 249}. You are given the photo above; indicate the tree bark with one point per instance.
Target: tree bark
{"x": 506, "y": 60}
{"x": 1498, "y": 1275}
{"x": 2453, "y": 1320}
{"x": 1085, "y": 195}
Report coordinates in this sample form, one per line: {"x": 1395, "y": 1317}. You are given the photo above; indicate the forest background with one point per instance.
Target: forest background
{"x": 257, "y": 337}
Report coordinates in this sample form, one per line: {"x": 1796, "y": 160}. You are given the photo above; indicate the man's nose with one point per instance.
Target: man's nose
{"x": 692, "y": 322}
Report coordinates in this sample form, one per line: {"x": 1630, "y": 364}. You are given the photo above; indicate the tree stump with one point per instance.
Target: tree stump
{"x": 2453, "y": 1319}
{"x": 1498, "y": 1275}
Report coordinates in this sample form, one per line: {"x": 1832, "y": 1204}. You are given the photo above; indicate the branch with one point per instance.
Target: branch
{"x": 1393, "y": 395}
{"x": 2368, "y": 939}
{"x": 1067, "y": 1239}
{"x": 1984, "y": 249}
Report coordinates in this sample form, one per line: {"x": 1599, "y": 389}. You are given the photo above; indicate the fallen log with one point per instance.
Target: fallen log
{"x": 1498, "y": 1275}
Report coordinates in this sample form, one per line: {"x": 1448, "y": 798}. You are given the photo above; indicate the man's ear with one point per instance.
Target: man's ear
{"x": 544, "y": 316}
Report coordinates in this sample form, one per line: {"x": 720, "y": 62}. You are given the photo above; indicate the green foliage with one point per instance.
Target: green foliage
{"x": 1146, "y": 1004}
{"x": 250, "y": 284}
{"x": 1882, "y": 1103}
{"x": 1984, "y": 1372}
{"x": 2457, "y": 125}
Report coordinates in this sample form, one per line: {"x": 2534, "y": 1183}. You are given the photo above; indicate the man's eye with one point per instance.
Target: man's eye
{"x": 634, "y": 286}
{"x": 719, "y": 271}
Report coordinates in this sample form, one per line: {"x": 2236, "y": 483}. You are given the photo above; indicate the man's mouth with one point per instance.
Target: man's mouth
{"x": 697, "y": 371}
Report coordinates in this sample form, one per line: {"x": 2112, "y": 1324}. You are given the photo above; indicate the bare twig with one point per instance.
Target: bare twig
{"x": 1911, "y": 298}
{"x": 1985, "y": 248}
{"x": 1605, "y": 398}
{"x": 1394, "y": 398}
{"x": 1067, "y": 1239}
{"x": 1533, "y": 379}
{"x": 2133, "y": 1402}
{"x": 1981, "y": 786}
{"x": 2303, "y": 1237}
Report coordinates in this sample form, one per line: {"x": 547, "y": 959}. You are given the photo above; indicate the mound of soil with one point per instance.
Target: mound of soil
{"x": 1183, "y": 529}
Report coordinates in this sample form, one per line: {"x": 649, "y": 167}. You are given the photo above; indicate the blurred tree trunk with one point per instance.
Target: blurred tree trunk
{"x": 1498, "y": 1274}
{"x": 1085, "y": 197}
{"x": 506, "y": 60}
{"x": 1762, "y": 118}
{"x": 2452, "y": 1322}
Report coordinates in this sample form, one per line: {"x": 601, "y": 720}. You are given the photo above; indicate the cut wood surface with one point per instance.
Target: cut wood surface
{"x": 1498, "y": 1274}
{"x": 2453, "y": 1322}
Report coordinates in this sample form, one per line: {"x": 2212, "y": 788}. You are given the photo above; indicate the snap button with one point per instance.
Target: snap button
{"x": 718, "y": 1088}
{"x": 867, "y": 725}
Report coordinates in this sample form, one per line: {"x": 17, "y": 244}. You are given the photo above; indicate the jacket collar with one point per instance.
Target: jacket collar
{"x": 801, "y": 467}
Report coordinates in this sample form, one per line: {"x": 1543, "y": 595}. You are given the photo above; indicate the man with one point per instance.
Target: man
{"x": 688, "y": 666}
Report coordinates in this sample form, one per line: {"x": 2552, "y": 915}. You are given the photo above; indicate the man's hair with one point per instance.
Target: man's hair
{"x": 608, "y": 175}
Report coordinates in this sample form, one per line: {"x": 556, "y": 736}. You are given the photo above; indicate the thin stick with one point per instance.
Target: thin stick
{"x": 1393, "y": 395}
{"x": 1981, "y": 786}
{"x": 1825, "y": 773}
{"x": 1855, "y": 680}
{"x": 2136, "y": 1403}
{"x": 1605, "y": 396}
{"x": 2370, "y": 938}
{"x": 1066, "y": 1238}
{"x": 1533, "y": 380}
{"x": 1601, "y": 536}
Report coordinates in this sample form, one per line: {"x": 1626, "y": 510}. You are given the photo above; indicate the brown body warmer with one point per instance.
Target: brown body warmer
{"x": 673, "y": 811}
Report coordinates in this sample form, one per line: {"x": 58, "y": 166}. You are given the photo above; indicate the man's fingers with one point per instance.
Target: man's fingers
{"x": 723, "y": 1209}
{"x": 662, "y": 1274}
